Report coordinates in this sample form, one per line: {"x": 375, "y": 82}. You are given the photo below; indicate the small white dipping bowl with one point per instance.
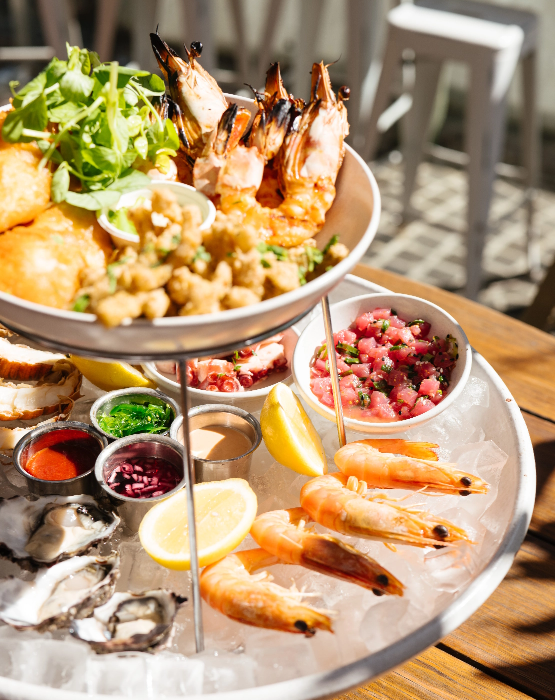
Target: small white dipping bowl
{"x": 251, "y": 399}
{"x": 408, "y": 308}
{"x": 185, "y": 195}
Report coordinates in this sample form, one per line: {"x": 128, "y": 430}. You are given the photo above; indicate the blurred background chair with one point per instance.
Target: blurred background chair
{"x": 242, "y": 37}
{"x": 491, "y": 40}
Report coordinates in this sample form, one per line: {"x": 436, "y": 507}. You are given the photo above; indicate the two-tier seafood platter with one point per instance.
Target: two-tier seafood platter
{"x": 163, "y": 222}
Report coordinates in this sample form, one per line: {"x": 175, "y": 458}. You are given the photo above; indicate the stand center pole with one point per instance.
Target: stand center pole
{"x": 190, "y": 474}
{"x": 332, "y": 363}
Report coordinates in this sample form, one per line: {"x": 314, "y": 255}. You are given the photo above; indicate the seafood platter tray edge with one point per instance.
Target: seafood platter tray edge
{"x": 484, "y": 422}
{"x": 355, "y": 215}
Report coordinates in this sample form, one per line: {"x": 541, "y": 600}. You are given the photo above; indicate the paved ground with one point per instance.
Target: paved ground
{"x": 431, "y": 247}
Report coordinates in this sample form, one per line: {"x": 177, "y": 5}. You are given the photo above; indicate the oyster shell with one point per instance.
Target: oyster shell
{"x": 52, "y": 528}
{"x": 70, "y": 589}
{"x": 130, "y": 622}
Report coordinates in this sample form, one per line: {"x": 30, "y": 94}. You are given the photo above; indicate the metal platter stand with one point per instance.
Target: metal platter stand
{"x": 129, "y": 356}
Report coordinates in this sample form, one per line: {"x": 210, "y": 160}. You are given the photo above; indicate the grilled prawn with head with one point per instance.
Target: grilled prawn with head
{"x": 309, "y": 161}
{"x": 199, "y": 102}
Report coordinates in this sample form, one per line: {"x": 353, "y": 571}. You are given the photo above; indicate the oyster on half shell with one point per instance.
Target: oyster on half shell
{"x": 52, "y": 528}
{"x": 58, "y": 594}
{"x": 130, "y": 622}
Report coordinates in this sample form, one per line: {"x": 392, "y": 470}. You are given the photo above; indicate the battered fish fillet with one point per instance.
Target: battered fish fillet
{"x": 42, "y": 262}
{"x": 24, "y": 189}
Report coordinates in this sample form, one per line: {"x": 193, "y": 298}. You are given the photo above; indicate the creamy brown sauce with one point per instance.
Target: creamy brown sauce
{"x": 218, "y": 442}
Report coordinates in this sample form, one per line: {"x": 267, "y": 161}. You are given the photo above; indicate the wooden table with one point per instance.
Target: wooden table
{"x": 506, "y": 650}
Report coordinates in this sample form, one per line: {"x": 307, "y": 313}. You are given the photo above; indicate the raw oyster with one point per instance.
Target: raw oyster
{"x": 58, "y": 594}
{"x": 52, "y": 528}
{"x": 130, "y": 622}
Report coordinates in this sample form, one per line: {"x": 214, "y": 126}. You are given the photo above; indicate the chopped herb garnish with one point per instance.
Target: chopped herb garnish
{"x": 82, "y": 303}
{"x": 385, "y": 325}
{"x": 386, "y": 368}
{"x": 416, "y": 322}
{"x": 427, "y": 357}
{"x": 398, "y": 347}
{"x": 348, "y": 348}
{"x": 221, "y": 375}
{"x": 302, "y": 273}
{"x": 202, "y": 254}
{"x": 346, "y": 373}
{"x": 332, "y": 241}
{"x": 314, "y": 256}
{"x": 323, "y": 352}
{"x": 363, "y": 398}
{"x": 265, "y": 263}
{"x": 383, "y": 386}
{"x": 351, "y": 360}
{"x": 277, "y": 250}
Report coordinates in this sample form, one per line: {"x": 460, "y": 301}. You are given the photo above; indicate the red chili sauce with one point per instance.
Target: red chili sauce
{"x": 61, "y": 454}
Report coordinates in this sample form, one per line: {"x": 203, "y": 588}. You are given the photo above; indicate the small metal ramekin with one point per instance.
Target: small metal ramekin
{"x": 103, "y": 405}
{"x": 132, "y": 510}
{"x": 221, "y": 415}
{"x": 85, "y": 483}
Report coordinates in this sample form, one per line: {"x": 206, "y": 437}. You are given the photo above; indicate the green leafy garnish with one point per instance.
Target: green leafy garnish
{"x": 385, "y": 325}
{"x": 417, "y": 322}
{"x": 427, "y": 357}
{"x": 133, "y": 418}
{"x": 351, "y": 360}
{"x": 106, "y": 125}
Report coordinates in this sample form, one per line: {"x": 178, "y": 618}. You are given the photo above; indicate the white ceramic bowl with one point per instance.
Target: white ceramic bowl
{"x": 185, "y": 195}
{"x": 408, "y": 307}
{"x": 355, "y": 215}
{"x": 251, "y": 399}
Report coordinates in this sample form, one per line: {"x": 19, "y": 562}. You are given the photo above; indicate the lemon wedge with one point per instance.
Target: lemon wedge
{"x": 224, "y": 513}
{"x": 289, "y": 435}
{"x": 110, "y": 376}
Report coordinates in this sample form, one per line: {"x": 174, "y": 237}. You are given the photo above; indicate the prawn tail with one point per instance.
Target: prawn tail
{"x": 330, "y": 556}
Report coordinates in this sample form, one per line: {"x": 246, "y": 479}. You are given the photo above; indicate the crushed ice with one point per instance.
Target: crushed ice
{"x": 238, "y": 656}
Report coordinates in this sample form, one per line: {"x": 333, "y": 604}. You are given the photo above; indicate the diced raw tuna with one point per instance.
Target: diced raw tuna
{"x": 415, "y": 384}
{"x": 429, "y": 387}
{"x": 348, "y": 337}
{"x": 366, "y": 344}
{"x": 423, "y": 405}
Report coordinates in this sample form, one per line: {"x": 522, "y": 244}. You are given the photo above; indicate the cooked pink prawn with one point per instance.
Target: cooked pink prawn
{"x": 229, "y": 586}
{"x": 336, "y": 502}
{"x": 198, "y": 101}
{"x": 284, "y": 534}
{"x": 389, "y": 470}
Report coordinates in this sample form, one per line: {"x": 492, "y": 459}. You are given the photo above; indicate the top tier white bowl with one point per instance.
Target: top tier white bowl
{"x": 355, "y": 215}
{"x": 408, "y": 307}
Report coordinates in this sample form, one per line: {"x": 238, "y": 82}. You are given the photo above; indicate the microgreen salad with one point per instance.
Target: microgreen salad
{"x": 389, "y": 368}
{"x": 97, "y": 122}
